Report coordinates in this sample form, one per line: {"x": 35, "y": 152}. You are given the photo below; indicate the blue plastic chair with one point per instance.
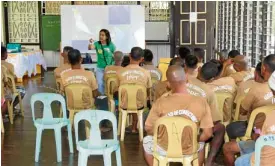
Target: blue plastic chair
{"x": 265, "y": 140}
{"x": 48, "y": 122}
{"x": 94, "y": 145}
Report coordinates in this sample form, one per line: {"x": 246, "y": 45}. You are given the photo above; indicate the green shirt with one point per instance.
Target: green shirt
{"x": 108, "y": 51}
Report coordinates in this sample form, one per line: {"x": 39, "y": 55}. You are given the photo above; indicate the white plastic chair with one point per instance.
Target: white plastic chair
{"x": 94, "y": 145}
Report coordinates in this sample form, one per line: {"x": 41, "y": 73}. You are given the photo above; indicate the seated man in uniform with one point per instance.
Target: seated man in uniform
{"x": 209, "y": 74}
{"x": 178, "y": 100}
{"x": 79, "y": 76}
{"x": 133, "y": 73}
{"x": 257, "y": 96}
{"x": 8, "y": 69}
{"x": 148, "y": 65}
{"x": 197, "y": 87}
{"x": 199, "y": 53}
{"x": 247, "y": 148}
{"x": 191, "y": 66}
{"x": 243, "y": 72}
{"x": 245, "y": 86}
{"x": 229, "y": 69}
{"x": 66, "y": 66}
{"x": 113, "y": 70}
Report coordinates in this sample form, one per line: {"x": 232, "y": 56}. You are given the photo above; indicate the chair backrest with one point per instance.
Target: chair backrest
{"x": 238, "y": 106}
{"x": 109, "y": 88}
{"x": 10, "y": 79}
{"x": 94, "y": 117}
{"x": 265, "y": 140}
{"x": 47, "y": 99}
{"x": 163, "y": 66}
{"x": 79, "y": 96}
{"x": 221, "y": 97}
{"x": 255, "y": 112}
{"x": 132, "y": 90}
{"x": 174, "y": 126}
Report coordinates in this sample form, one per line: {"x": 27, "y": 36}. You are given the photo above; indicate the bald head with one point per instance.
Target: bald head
{"x": 175, "y": 73}
{"x": 240, "y": 63}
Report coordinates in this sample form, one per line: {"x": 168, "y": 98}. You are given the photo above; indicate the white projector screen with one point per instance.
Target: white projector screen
{"x": 126, "y": 24}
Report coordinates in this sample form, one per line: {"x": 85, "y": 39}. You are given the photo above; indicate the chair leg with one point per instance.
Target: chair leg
{"x": 82, "y": 159}
{"x": 58, "y": 143}
{"x": 80, "y": 155}
{"x": 140, "y": 119}
{"x": 123, "y": 123}
{"x": 2, "y": 125}
{"x": 10, "y": 110}
{"x": 69, "y": 128}
{"x": 38, "y": 144}
{"x": 118, "y": 157}
{"x": 107, "y": 159}
{"x": 119, "y": 122}
{"x": 71, "y": 117}
{"x": 21, "y": 105}
{"x": 156, "y": 162}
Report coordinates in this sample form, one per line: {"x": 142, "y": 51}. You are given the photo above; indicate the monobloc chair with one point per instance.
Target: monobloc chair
{"x": 15, "y": 93}
{"x": 174, "y": 127}
{"x": 74, "y": 97}
{"x": 132, "y": 91}
{"x": 163, "y": 66}
{"x": 94, "y": 145}
{"x": 49, "y": 122}
{"x": 255, "y": 112}
{"x": 110, "y": 85}
{"x": 221, "y": 98}
{"x": 238, "y": 107}
{"x": 265, "y": 140}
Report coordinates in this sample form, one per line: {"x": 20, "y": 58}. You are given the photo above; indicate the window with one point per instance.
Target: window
{"x": 156, "y": 10}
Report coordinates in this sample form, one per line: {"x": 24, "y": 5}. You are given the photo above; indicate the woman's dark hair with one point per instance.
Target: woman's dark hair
{"x": 107, "y": 34}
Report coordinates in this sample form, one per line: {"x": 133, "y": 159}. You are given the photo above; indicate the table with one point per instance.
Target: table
{"x": 27, "y": 63}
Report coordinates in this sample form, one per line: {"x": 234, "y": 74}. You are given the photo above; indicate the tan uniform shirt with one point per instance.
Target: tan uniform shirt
{"x": 9, "y": 66}
{"x": 60, "y": 70}
{"x": 229, "y": 70}
{"x": 160, "y": 89}
{"x": 225, "y": 84}
{"x": 137, "y": 75}
{"x": 154, "y": 72}
{"x": 242, "y": 76}
{"x": 267, "y": 152}
{"x": 198, "y": 88}
{"x": 184, "y": 105}
{"x": 257, "y": 96}
{"x": 79, "y": 76}
{"x": 244, "y": 88}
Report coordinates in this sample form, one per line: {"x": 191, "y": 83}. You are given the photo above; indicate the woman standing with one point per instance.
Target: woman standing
{"x": 104, "y": 50}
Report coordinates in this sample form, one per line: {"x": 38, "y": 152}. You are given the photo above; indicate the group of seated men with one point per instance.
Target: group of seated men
{"x": 190, "y": 86}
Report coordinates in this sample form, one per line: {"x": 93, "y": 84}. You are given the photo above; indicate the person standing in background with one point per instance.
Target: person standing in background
{"x": 104, "y": 51}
